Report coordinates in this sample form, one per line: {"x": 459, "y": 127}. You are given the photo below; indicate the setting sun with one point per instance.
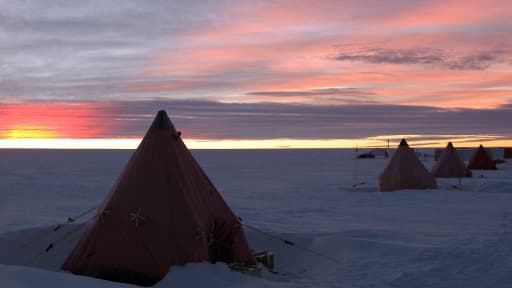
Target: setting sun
{"x": 29, "y": 131}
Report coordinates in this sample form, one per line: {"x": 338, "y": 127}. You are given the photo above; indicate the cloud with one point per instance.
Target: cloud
{"x": 314, "y": 92}
{"x": 215, "y": 120}
{"x": 348, "y": 95}
{"x": 423, "y": 56}
{"x": 249, "y": 51}
{"x": 477, "y": 61}
{"x": 81, "y": 50}
{"x": 393, "y": 56}
{"x": 205, "y": 119}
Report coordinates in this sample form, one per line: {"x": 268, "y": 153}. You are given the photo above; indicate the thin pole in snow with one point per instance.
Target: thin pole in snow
{"x": 355, "y": 170}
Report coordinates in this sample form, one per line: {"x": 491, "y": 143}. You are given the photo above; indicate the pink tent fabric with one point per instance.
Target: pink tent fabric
{"x": 450, "y": 165}
{"x": 481, "y": 160}
{"x": 405, "y": 171}
{"x": 162, "y": 211}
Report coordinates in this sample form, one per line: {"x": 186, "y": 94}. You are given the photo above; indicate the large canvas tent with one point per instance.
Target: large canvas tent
{"x": 162, "y": 211}
{"x": 450, "y": 165}
{"x": 481, "y": 160}
{"x": 405, "y": 171}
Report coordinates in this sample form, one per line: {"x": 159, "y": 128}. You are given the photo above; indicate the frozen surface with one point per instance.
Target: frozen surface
{"x": 430, "y": 238}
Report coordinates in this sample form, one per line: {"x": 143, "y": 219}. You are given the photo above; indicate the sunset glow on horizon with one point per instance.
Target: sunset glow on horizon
{"x": 30, "y": 132}
{"x": 467, "y": 141}
{"x": 256, "y": 74}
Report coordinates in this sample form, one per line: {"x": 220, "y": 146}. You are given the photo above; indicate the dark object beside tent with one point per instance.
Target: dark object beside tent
{"x": 377, "y": 152}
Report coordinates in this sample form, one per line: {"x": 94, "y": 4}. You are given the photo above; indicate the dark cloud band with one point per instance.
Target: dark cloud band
{"x": 214, "y": 120}
{"x": 424, "y": 56}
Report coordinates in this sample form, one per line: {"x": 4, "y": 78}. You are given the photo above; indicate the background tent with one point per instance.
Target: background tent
{"x": 481, "y": 160}
{"x": 507, "y": 153}
{"x": 162, "y": 211}
{"x": 405, "y": 171}
{"x": 450, "y": 165}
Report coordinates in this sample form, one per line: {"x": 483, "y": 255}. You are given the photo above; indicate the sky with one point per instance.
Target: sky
{"x": 256, "y": 74}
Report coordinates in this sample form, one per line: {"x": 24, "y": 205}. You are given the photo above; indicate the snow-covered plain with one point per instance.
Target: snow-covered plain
{"x": 423, "y": 238}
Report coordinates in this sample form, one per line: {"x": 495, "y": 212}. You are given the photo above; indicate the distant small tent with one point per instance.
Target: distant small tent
{"x": 481, "y": 160}
{"x": 507, "y": 153}
{"x": 450, "y": 165}
{"x": 405, "y": 171}
{"x": 162, "y": 211}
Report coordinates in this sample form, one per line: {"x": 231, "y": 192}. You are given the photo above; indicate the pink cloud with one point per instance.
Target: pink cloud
{"x": 432, "y": 49}
{"x": 453, "y": 13}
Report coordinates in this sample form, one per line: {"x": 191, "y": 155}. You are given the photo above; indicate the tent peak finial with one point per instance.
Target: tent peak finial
{"x": 403, "y": 143}
{"x": 162, "y": 121}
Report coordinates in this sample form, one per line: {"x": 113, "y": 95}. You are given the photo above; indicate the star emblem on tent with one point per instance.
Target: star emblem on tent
{"x": 136, "y": 217}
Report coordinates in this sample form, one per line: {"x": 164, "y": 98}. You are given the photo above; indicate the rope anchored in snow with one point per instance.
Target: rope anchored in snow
{"x": 68, "y": 234}
{"x": 73, "y": 219}
{"x": 58, "y": 240}
{"x": 289, "y": 243}
{"x": 46, "y": 233}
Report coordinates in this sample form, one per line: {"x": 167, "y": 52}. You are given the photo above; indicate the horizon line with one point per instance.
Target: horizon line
{"x": 418, "y": 141}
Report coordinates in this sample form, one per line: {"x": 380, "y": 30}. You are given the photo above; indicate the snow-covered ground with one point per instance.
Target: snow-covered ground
{"x": 424, "y": 238}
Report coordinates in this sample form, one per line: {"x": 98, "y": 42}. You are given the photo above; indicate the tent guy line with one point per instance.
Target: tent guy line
{"x": 288, "y": 242}
{"x": 52, "y": 244}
